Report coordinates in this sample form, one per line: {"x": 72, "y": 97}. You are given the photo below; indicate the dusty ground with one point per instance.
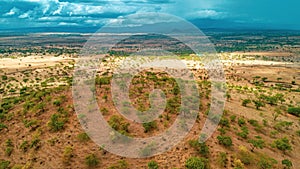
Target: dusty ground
{"x": 239, "y": 74}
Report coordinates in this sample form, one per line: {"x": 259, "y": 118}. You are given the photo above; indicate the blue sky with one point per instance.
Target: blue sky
{"x": 52, "y": 13}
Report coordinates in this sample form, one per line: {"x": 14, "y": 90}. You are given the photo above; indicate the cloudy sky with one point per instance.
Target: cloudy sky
{"x": 60, "y": 13}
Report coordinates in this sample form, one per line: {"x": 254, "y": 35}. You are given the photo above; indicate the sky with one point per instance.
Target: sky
{"x": 268, "y": 14}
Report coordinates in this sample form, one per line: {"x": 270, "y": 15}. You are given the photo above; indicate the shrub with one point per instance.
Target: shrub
{"x": 225, "y": 140}
{"x": 4, "y": 164}
{"x": 83, "y": 137}
{"x": 57, "y": 102}
{"x": 241, "y": 121}
{"x": 24, "y": 146}
{"x": 9, "y": 147}
{"x": 56, "y": 122}
{"x": 282, "y": 144}
{"x": 266, "y": 163}
{"x": 257, "y": 143}
{"x": 287, "y": 163}
{"x": 4, "y": 77}
{"x": 232, "y": 118}
{"x": 222, "y": 159}
{"x": 67, "y": 155}
{"x": 298, "y": 132}
{"x": 224, "y": 122}
{"x": 2, "y": 126}
{"x": 294, "y": 111}
{"x": 119, "y": 124}
{"x": 196, "y": 163}
{"x": 149, "y": 126}
{"x": 246, "y": 102}
{"x": 244, "y": 133}
{"x": 202, "y": 148}
{"x": 258, "y": 104}
{"x": 245, "y": 156}
{"x": 153, "y": 165}
{"x": 121, "y": 164}
{"x": 91, "y": 160}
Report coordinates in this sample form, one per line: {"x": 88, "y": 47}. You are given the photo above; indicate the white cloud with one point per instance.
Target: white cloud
{"x": 13, "y": 11}
{"x": 67, "y": 24}
{"x": 206, "y": 13}
{"x": 26, "y": 15}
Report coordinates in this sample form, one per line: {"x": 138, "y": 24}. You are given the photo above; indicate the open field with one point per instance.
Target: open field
{"x": 259, "y": 128}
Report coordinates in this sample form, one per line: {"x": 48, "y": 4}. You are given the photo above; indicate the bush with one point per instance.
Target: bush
{"x": 222, "y": 159}
{"x": 287, "y": 163}
{"x": 83, "y": 137}
{"x": 202, "y": 148}
{"x": 119, "y": 124}
{"x": 153, "y": 165}
{"x": 67, "y": 155}
{"x": 4, "y": 164}
{"x": 24, "y": 146}
{"x": 196, "y": 163}
{"x": 241, "y": 121}
{"x": 224, "y": 122}
{"x": 245, "y": 156}
{"x": 149, "y": 126}
{"x": 266, "y": 163}
{"x": 257, "y": 143}
{"x": 57, "y": 102}
{"x": 282, "y": 144}
{"x": 2, "y": 126}
{"x": 122, "y": 164}
{"x": 225, "y": 140}
{"x": 91, "y": 160}
{"x": 244, "y": 133}
{"x": 246, "y": 102}
{"x": 9, "y": 147}
{"x": 294, "y": 111}
{"x": 56, "y": 122}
